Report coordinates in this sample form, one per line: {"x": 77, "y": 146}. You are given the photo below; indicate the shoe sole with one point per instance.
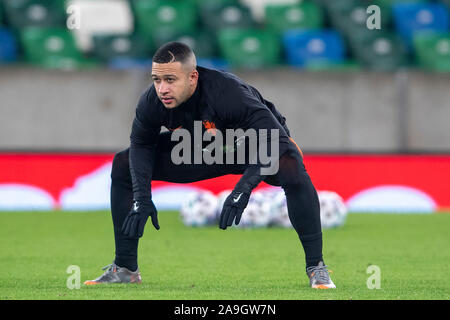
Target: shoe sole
{"x": 323, "y": 286}
{"x": 91, "y": 283}
{"x": 94, "y": 283}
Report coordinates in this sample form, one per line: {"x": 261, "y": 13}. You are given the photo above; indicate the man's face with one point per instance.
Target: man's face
{"x": 174, "y": 84}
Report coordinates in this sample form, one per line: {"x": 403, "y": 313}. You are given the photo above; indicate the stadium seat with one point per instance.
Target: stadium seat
{"x": 318, "y": 47}
{"x": 156, "y": 16}
{"x": 216, "y": 15}
{"x": 116, "y": 18}
{"x": 393, "y": 2}
{"x": 35, "y": 13}
{"x": 258, "y": 7}
{"x": 249, "y": 48}
{"x": 201, "y": 41}
{"x": 447, "y": 3}
{"x": 303, "y": 15}
{"x": 50, "y": 48}
{"x": 337, "y": 6}
{"x": 108, "y": 47}
{"x": 380, "y": 51}
{"x": 8, "y": 47}
{"x": 353, "y": 17}
{"x": 433, "y": 51}
{"x": 419, "y": 17}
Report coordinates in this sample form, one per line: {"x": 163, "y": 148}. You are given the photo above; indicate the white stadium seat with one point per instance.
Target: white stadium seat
{"x": 257, "y": 7}
{"x": 100, "y": 17}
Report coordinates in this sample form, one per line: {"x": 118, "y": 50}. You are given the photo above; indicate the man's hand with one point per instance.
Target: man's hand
{"x": 232, "y": 209}
{"x": 134, "y": 223}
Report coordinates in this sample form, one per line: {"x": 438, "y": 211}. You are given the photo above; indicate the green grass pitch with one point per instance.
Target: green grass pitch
{"x": 178, "y": 262}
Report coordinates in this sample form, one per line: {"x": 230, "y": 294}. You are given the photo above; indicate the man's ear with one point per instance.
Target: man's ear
{"x": 194, "y": 75}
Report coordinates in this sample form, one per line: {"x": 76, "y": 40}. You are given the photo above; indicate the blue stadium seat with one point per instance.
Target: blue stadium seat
{"x": 313, "y": 47}
{"x": 412, "y": 18}
{"x": 8, "y": 47}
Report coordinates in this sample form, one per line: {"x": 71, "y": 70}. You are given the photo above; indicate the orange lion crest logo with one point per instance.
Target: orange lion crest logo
{"x": 210, "y": 127}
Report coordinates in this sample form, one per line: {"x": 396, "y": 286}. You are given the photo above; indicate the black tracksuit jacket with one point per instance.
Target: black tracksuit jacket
{"x": 221, "y": 101}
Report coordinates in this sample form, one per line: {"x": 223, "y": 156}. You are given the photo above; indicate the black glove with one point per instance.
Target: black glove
{"x": 134, "y": 223}
{"x": 232, "y": 209}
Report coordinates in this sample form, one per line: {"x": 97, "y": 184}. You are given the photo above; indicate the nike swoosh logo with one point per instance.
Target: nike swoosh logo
{"x": 238, "y": 197}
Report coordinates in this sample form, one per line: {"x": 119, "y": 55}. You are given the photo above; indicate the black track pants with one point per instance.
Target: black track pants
{"x": 301, "y": 196}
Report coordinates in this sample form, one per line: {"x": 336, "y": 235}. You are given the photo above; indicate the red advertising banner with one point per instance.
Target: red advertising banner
{"x": 378, "y": 183}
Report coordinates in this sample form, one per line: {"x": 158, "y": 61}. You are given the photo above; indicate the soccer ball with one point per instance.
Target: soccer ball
{"x": 199, "y": 209}
{"x": 280, "y": 216}
{"x": 333, "y": 211}
{"x": 257, "y": 214}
